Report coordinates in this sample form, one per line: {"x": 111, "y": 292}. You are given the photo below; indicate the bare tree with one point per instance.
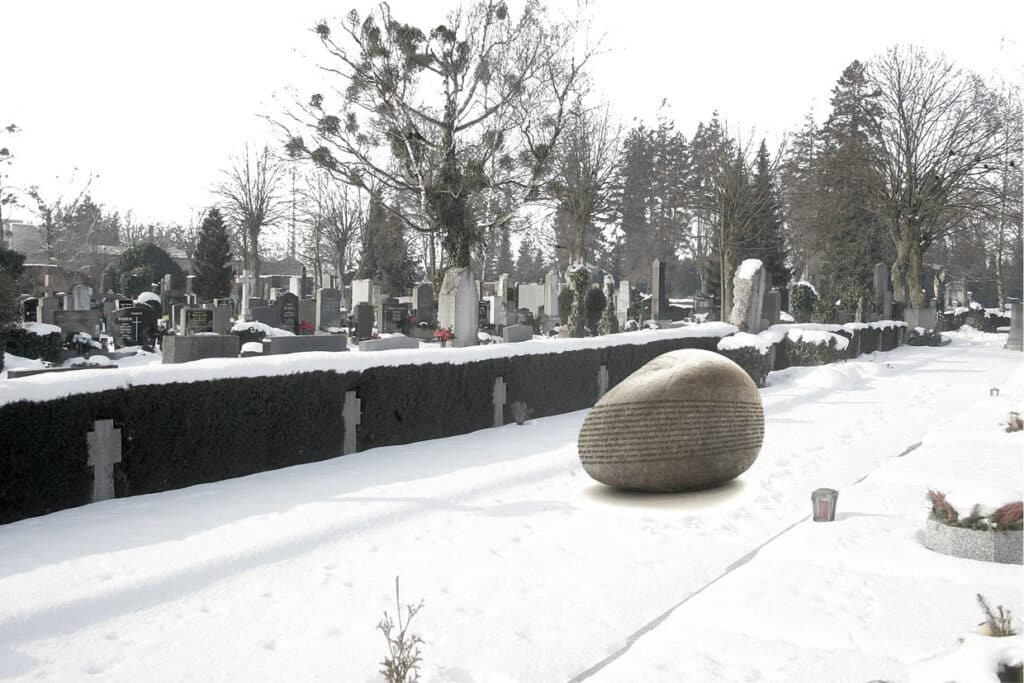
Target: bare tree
{"x": 252, "y": 198}
{"x": 422, "y": 115}
{"x": 940, "y": 136}
{"x": 334, "y": 214}
{"x": 584, "y": 181}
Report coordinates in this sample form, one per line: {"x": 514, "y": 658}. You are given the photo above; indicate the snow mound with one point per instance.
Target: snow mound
{"x": 748, "y": 268}
{"x": 147, "y": 296}
{"x": 786, "y": 317}
{"x": 805, "y": 283}
{"x": 818, "y": 337}
{"x": 252, "y": 347}
{"x": 990, "y": 499}
{"x": 40, "y": 329}
{"x": 744, "y": 340}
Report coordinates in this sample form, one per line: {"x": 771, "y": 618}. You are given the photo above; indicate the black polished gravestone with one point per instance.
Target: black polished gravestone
{"x": 131, "y": 326}
{"x": 30, "y": 308}
{"x": 287, "y": 306}
{"x": 195, "y": 320}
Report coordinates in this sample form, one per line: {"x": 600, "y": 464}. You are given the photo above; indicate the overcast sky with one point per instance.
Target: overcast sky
{"x": 154, "y": 98}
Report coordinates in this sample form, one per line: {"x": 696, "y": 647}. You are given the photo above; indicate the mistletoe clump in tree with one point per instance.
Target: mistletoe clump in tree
{"x": 213, "y": 258}
{"x": 440, "y": 118}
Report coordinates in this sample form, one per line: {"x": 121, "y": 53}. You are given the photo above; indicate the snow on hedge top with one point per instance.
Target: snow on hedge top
{"x": 748, "y": 268}
{"x": 147, "y": 296}
{"x": 819, "y": 337}
{"x": 41, "y": 329}
{"x": 745, "y": 340}
{"x": 47, "y": 387}
{"x": 805, "y": 283}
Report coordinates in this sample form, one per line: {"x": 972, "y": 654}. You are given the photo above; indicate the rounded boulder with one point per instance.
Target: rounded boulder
{"x": 688, "y": 419}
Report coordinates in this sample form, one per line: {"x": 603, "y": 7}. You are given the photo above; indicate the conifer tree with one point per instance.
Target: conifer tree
{"x": 767, "y": 241}
{"x": 212, "y": 262}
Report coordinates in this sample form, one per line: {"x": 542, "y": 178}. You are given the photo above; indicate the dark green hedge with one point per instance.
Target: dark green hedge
{"x": 176, "y": 435}
{"x": 753, "y": 362}
{"x": 20, "y": 342}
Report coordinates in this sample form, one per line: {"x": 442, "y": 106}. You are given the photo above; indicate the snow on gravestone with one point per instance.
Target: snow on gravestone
{"x": 104, "y": 444}
{"x": 747, "y": 296}
{"x": 458, "y": 306}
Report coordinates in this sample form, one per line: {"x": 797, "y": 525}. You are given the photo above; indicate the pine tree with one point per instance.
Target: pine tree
{"x": 212, "y": 261}
{"x": 767, "y": 241}
{"x": 854, "y": 237}
{"x": 385, "y": 255}
{"x": 524, "y": 271}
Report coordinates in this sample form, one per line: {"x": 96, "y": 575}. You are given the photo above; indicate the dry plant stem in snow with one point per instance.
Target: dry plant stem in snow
{"x": 1000, "y": 622}
{"x": 520, "y": 413}
{"x": 402, "y": 663}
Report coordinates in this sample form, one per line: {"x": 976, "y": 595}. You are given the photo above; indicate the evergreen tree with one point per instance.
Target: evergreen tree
{"x": 526, "y": 268}
{"x": 503, "y": 262}
{"x": 801, "y": 197}
{"x": 767, "y": 241}
{"x": 854, "y": 237}
{"x": 385, "y": 254}
{"x": 212, "y": 262}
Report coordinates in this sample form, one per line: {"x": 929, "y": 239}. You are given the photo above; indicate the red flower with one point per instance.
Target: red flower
{"x": 305, "y": 327}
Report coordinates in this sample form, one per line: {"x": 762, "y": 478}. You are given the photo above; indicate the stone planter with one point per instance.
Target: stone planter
{"x": 989, "y": 546}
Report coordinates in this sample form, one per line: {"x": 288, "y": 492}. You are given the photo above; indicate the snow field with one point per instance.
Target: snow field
{"x": 529, "y": 570}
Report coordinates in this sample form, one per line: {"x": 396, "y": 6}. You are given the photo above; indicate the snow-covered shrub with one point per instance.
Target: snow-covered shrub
{"x": 1014, "y": 423}
{"x": 814, "y": 347}
{"x": 802, "y": 301}
{"x": 999, "y": 623}
{"x": 753, "y": 362}
{"x": 982, "y": 517}
{"x": 25, "y": 341}
{"x": 594, "y": 302}
{"x": 918, "y": 336}
{"x": 520, "y": 412}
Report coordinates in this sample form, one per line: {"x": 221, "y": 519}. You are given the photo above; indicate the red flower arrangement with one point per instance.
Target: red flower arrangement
{"x": 444, "y": 335}
{"x": 305, "y": 327}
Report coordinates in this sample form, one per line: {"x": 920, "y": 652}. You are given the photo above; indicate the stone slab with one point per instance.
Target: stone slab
{"x": 397, "y": 341}
{"x": 179, "y": 348}
{"x": 305, "y": 343}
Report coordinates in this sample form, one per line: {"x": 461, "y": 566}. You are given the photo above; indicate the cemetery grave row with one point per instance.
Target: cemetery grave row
{"x": 213, "y": 429}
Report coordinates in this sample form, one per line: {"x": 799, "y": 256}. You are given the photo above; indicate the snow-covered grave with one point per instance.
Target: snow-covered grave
{"x": 530, "y": 571}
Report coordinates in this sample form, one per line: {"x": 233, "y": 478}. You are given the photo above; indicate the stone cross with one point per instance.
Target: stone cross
{"x": 351, "y": 413}
{"x": 104, "y": 450}
{"x": 602, "y": 381}
{"x": 499, "y": 397}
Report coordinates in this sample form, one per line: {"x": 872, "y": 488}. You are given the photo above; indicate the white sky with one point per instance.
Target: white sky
{"x": 154, "y": 98}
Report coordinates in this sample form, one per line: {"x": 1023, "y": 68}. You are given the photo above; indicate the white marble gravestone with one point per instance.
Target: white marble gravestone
{"x": 458, "y": 306}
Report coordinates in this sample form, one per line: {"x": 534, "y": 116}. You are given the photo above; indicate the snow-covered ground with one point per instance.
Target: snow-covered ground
{"x": 529, "y": 570}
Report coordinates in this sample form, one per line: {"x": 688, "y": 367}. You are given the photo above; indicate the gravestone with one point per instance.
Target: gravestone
{"x": 688, "y": 419}
{"x": 659, "y": 295}
{"x": 748, "y": 296}
{"x": 351, "y": 414}
{"x": 30, "y": 309}
{"x": 131, "y": 326}
{"x": 488, "y": 289}
{"x": 495, "y": 311}
{"x": 266, "y": 315}
{"x": 71, "y": 322}
{"x": 222, "y": 317}
{"x": 328, "y": 308}
{"x": 307, "y": 312}
{"x": 180, "y": 348}
{"x": 47, "y": 305}
{"x": 165, "y": 283}
{"x": 1015, "y": 340}
{"x": 423, "y": 302}
{"x": 81, "y": 298}
{"x": 882, "y": 299}
{"x": 247, "y": 281}
{"x": 287, "y": 306}
{"x": 512, "y": 334}
{"x": 458, "y": 306}
{"x": 483, "y": 310}
{"x": 531, "y": 297}
{"x": 305, "y": 343}
{"x": 622, "y": 304}
{"x": 195, "y": 320}
{"x": 956, "y": 294}
{"x": 396, "y": 341}
{"x": 503, "y": 282}
{"x": 104, "y": 445}
{"x": 364, "y": 320}
{"x": 773, "y": 307}
{"x": 295, "y": 285}
{"x": 498, "y": 397}
{"x": 362, "y": 292}
{"x": 551, "y": 289}
{"x": 392, "y": 316}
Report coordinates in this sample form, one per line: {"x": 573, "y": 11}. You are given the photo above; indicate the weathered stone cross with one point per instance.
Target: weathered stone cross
{"x": 499, "y": 398}
{"x": 351, "y": 413}
{"x": 104, "y": 450}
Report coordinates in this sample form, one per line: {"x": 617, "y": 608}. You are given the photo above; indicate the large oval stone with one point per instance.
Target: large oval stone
{"x": 688, "y": 419}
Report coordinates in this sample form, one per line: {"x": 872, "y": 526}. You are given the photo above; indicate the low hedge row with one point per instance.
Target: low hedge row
{"x": 19, "y": 342}
{"x": 176, "y": 435}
